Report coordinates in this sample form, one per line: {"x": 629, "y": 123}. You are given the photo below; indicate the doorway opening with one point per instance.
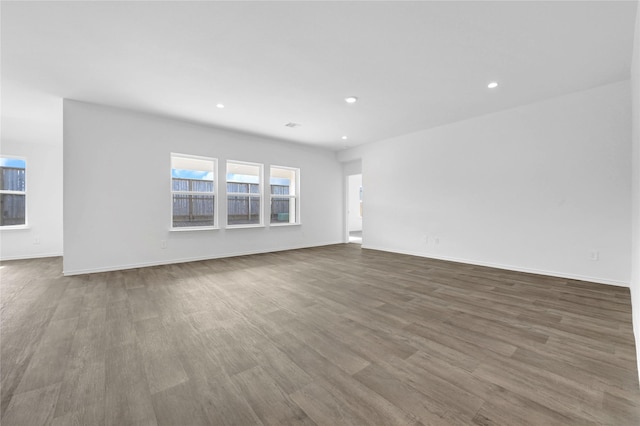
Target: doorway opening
{"x": 354, "y": 208}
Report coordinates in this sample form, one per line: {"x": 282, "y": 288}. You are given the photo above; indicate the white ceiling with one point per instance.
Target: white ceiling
{"x": 413, "y": 65}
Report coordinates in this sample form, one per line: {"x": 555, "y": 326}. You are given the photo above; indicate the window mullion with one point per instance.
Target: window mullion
{"x": 192, "y": 193}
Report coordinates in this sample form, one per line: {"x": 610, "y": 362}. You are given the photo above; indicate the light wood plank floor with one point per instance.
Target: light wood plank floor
{"x": 329, "y": 336}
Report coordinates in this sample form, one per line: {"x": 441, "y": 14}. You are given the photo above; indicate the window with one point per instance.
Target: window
{"x": 193, "y": 192}
{"x": 244, "y": 193}
{"x": 13, "y": 191}
{"x": 285, "y": 201}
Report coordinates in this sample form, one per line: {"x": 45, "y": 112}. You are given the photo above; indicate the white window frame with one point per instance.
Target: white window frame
{"x": 26, "y": 201}
{"x": 295, "y": 197}
{"x": 259, "y": 194}
{"x": 214, "y": 193}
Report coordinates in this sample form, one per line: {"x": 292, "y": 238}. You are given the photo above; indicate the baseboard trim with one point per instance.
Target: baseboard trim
{"x": 505, "y": 267}
{"x": 187, "y": 259}
{"x": 30, "y": 256}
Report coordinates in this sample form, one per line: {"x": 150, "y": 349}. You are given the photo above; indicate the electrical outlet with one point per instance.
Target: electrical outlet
{"x": 163, "y": 244}
{"x": 436, "y": 240}
{"x": 426, "y": 239}
{"x": 36, "y": 240}
{"x": 594, "y": 255}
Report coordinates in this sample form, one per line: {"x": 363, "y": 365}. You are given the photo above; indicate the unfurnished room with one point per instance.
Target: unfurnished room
{"x": 319, "y": 213}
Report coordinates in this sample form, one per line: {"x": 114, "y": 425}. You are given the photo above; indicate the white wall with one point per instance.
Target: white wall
{"x": 43, "y": 237}
{"x": 352, "y": 167}
{"x": 118, "y": 158}
{"x": 355, "y": 220}
{"x": 635, "y": 95}
{"x": 534, "y": 188}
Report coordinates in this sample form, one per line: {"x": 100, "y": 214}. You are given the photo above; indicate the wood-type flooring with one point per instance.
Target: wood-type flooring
{"x": 333, "y": 335}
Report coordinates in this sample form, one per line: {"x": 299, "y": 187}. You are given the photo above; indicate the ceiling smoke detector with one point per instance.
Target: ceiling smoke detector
{"x": 292, "y": 124}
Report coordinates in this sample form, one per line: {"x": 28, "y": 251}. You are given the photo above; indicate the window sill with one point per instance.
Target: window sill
{"x": 194, "y": 228}
{"x": 277, "y": 225}
{"x": 244, "y": 226}
{"x": 14, "y": 227}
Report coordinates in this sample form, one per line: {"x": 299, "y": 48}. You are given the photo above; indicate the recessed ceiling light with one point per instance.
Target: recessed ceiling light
{"x": 220, "y": 106}
{"x": 351, "y": 100}
{"x": 492, "y": 85}
{"x": 344, "y": 138}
